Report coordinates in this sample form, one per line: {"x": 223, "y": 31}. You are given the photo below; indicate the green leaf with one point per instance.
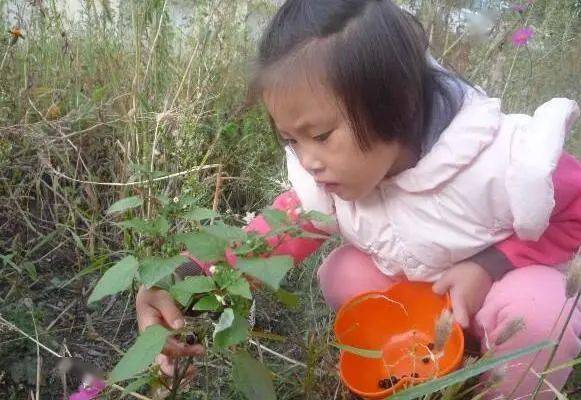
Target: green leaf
{"x": 141, "y": 354}
{"x": 136, "y": 385}
{"x": 240, "y": 288}
{"x": 187, "y": 201}
{"x": 270, "y": 270}
{"x": 125, "y": 204}
{"x": 231, "y": 129}
{"x": 97, "y": 94}
{"x": 376, "y": 354}
{"x": 276, "y": 219}
{"x": 251, "y": 377}
{"x": 319, "y": 217}
{"x": 289, "y": 299}
{"x": 30, "y": 269}
{"x": 225, "y": 232}
{"x": 207, "y": 303}
{"x": 466, "y": 373}
{"x": 204, "y": 246}
{"x": 231, "y": 329}
{"x": 225, "y": 275}
{"x": 225, "y": 321}
{"x": 200, "y": 214}
{"x": 117, "y": 278}
{"x": 153, "y": 269}
{"x": 183, "y": 290}
{"x": 158, "y": 226}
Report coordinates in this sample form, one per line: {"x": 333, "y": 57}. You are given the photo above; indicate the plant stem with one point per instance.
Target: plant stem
{"x": 510, "y": 73}
{"x": 556, "y": 347}
{"x": 179, "y": 375}
{"x": 176, "y": 379}
{"x": 4, "y": 59}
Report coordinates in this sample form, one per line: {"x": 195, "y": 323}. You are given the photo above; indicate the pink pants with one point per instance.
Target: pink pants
{"x": 536, "y": 294}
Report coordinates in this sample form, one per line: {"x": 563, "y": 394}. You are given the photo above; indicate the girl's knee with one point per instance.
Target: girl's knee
{"x": 347, "y": 272}
{"x": 535, "y": 295}
{"x": 341, "y": 263}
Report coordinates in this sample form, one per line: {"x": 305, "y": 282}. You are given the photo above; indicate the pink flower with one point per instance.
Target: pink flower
{"x": 89, "y": 390}
{"x": 522, "y": 36}
{"x": 519, "y": 7}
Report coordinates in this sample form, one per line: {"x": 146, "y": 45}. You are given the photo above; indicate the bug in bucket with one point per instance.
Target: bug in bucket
{"x": 401, "y": 323}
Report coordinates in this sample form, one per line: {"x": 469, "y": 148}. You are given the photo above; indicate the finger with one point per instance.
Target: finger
{"x": 175, "y": 348}
{"x": 460, "y": 311}
{"x": 170, "y": 313}
{"x": 165, "y": 364}
{"x": 442, "y": 285}
{"x": 148, "y": 316}
{"x": 191, "y": 372}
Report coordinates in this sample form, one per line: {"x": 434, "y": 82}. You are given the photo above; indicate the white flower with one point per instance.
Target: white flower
{"x": 283, "y": 184}
{"x": 176, "y": 199}
{"x": 212, "y": 269}
{"x": 249, "y": 217}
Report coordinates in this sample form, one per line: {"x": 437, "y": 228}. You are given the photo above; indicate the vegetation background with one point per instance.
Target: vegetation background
{"x": 99, "y": 99}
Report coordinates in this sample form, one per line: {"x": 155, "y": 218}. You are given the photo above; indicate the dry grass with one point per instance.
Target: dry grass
{"x": 87, "y": 109}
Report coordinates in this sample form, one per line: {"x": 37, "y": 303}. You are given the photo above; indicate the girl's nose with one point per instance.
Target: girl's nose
{"x": 312, "y": 164}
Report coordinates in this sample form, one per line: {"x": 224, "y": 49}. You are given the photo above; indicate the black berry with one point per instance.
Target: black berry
{"x": 426, "y": 359}
{"x": 191, "y": 338}
{"x": 431, "y": 346}
{"x": 388, "y": 382}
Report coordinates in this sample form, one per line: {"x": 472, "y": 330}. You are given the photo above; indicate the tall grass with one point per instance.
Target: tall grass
{"x": 103, "y": 101}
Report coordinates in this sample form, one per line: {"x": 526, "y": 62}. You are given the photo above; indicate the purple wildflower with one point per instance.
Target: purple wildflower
{"x": 519, "y": 7}
{"x": 89, "y": 390}
{"x": 522, "y": 36}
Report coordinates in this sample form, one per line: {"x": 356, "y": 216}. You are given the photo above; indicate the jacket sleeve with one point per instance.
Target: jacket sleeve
{"x": 562, "y": 238}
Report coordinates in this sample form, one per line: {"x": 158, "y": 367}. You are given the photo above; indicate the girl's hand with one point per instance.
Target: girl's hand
{"x": 468, "y": 284}
{"x": 155, "y": 306}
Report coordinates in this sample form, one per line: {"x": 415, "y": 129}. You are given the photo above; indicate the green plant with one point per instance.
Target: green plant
{"x": 221, "y": 300}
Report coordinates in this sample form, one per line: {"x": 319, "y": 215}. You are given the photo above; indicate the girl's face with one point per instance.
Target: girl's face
{"x": 310, "y": 121}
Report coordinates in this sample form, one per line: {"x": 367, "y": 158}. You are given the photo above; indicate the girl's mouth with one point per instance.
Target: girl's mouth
{"x": 330, "y": 187}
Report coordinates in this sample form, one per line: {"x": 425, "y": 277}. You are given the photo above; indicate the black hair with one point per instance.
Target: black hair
{"x": 373, "y": 56}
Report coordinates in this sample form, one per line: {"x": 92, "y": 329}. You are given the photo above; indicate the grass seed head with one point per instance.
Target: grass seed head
{"x": 511, "y": 329}
{"x": 573, "y": 281}
{"x": 443, "y": 330}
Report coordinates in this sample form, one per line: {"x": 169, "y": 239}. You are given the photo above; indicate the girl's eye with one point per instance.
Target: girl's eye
{"x": 323, "y": 137}
{"x": 288, "y": 141}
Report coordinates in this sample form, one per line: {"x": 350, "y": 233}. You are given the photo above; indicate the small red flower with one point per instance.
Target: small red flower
{"x": 522, "y": 36}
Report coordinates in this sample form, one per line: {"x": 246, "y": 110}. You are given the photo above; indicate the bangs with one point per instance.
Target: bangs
{"x": 370, "y": 54}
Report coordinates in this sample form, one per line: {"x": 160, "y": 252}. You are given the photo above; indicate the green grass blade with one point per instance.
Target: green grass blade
{"x": 467, "y": 373}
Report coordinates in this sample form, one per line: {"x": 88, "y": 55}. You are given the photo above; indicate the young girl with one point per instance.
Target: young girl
{"x": 427, "y": 179}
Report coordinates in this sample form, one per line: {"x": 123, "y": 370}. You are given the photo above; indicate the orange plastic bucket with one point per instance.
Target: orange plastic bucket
{"x": 400, "y": 322}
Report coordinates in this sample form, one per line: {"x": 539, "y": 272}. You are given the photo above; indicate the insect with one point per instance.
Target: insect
{"x": 15, "y": 34}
